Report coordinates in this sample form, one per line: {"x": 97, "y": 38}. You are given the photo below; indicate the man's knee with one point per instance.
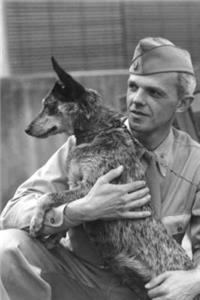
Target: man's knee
{"x": 18, "y": 248}
{"x": 21, "y": 264}
{"x": 11, "y": 239}
{"x": 10, "y": 243}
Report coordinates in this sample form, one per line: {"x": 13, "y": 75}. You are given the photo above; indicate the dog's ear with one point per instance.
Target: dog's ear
{"x": 74, "y": 88}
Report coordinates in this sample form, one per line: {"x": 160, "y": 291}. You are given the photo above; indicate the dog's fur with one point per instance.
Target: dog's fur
{"x": 135, "y": 250}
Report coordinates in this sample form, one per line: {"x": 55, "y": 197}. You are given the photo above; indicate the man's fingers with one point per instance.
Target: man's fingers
{"x": 156, "y": 293}
{"x": 126, "y": 187}
{"x": 129, "y": 215}
{"x": 132, "y": 186}
{"x": 137, "y": 203}
{"x": 111, "y": 175}
{"x": 137, "y": 195}
{"x": 135, "y": 214}
{"x": 155, "y": 287}
{"x": 157, "y": 280}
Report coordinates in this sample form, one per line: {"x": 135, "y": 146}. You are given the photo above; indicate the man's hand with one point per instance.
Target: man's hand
{"x": 111, "y": 201}
{"x": 104, "y": 201}
{"x": 175, "y": 285}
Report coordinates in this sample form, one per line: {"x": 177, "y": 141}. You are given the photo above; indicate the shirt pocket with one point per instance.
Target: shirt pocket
{"x": 177, "y": 225}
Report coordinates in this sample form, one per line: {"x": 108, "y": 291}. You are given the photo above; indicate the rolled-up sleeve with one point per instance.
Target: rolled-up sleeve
{"x": 52, "y": 177}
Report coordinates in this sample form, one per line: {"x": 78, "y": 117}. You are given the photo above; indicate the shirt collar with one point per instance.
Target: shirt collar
{"x": 163, "y": 152}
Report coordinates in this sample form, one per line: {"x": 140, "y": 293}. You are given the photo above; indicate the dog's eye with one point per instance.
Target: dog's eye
{"x": 52, "y": 109}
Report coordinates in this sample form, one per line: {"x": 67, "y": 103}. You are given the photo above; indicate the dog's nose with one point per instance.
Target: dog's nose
{"x": 27, "y": 130}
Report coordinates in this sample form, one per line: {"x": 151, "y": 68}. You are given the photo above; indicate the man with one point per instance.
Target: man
{"x": 161, "y": 82}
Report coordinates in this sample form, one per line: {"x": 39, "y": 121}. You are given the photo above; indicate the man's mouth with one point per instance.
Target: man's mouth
{"x": 139, "y": 113}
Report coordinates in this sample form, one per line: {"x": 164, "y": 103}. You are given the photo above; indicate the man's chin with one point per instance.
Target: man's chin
{"x": 137, "y": 128}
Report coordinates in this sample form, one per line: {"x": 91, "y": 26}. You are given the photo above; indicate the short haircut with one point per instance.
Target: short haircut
{"x": 186, "y": 84}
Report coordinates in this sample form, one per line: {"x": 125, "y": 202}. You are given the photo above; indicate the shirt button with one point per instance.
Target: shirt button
{"x": 52, "y": 220}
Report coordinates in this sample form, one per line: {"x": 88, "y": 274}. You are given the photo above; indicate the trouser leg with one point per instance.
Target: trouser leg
{"x": 31, "y": 272}
{"x": 21, "y": 262}
{"x": 3, "y": 293}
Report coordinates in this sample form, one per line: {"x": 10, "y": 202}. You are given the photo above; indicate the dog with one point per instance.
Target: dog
{"x": 131, "y": 249}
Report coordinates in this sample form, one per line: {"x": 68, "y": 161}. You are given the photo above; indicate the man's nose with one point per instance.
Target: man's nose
{"x": 138, "y": 98}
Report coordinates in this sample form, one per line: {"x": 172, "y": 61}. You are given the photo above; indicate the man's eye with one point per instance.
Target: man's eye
{"x": 154, "y": 93}
{"x": 132, "y": 86}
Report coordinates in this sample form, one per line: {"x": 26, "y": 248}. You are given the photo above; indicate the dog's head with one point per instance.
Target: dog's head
{"x": 66, "y": 103}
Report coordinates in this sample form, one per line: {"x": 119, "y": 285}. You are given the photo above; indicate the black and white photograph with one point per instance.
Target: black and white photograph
{"x": 100, "y": 150}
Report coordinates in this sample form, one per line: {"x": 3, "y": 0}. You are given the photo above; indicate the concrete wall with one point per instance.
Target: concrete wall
{"x": 21, "y": 100}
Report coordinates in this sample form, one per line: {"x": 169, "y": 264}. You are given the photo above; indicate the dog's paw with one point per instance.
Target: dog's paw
{"x": 36, "y": 225}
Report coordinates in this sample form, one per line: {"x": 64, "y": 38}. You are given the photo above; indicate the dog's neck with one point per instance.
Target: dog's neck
{"x": 86, "y": 130}
{"x": 88, "y": 137}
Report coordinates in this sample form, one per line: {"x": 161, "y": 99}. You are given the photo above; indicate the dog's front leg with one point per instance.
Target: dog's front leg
{"x": 47, "y": 201}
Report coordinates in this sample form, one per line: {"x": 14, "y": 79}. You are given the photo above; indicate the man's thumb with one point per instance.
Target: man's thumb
{"x": 112, "y": 174}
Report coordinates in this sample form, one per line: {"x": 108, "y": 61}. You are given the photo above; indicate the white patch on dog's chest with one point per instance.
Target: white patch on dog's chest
{"x": 75, "y": 174}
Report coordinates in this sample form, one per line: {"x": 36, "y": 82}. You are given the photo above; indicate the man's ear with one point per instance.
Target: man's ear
{"x": 184, "y": 104}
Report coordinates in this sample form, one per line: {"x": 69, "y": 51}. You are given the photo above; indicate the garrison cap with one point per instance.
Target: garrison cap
{"x": 158, "y": 55}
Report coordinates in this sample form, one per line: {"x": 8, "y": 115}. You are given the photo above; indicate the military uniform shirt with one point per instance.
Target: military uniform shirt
{"x": 179, "y": 173}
